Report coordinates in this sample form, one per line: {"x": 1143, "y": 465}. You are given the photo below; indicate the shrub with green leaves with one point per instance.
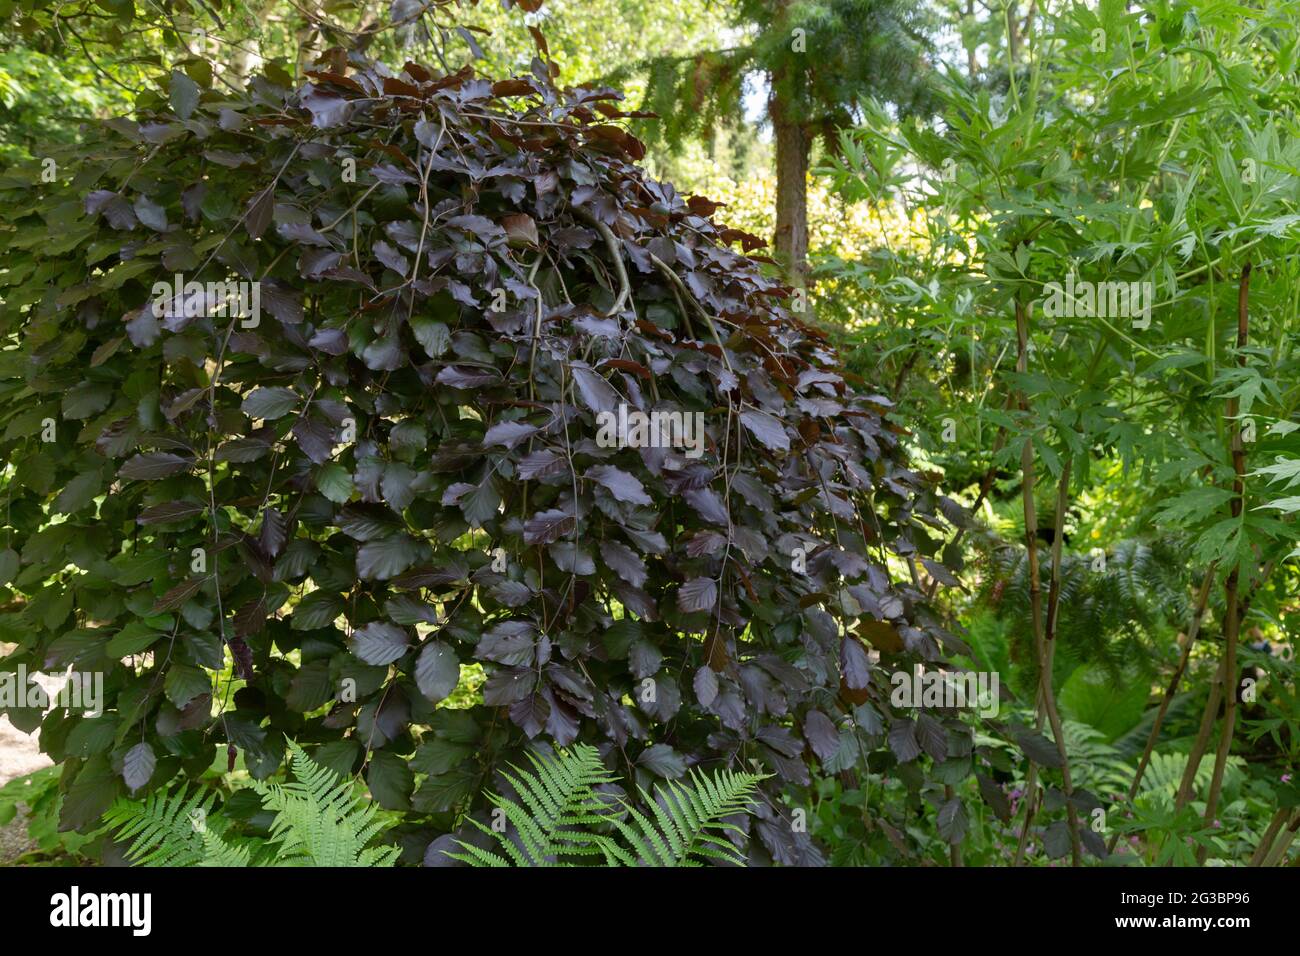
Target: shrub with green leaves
{"x": 303, "y": 524}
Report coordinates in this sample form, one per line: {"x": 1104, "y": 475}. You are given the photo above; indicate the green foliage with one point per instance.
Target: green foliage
{"x": 822, "y": 58}
{"x": 319, "y": 820}
{"x": 1152, "y": 144}
{"x": 1165, "y": 772}
{"x": 1093, "y": 696}
{"x": 1170, "y": 836}
{"x": 567, "y": 812}
{"x": 1157, "y": 147}
{"x": 170, "y": 829}
{"x": 37, "y": 794}
{"x": 42, "y": 99}
{"x": 1109, "y": 615}
{"x": 25, "y": 790}
{"x": 1098, "y": 766}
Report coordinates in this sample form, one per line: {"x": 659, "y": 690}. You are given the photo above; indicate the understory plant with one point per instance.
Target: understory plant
{"x": 567, "y": 813}
{"x": 319, "y": 820}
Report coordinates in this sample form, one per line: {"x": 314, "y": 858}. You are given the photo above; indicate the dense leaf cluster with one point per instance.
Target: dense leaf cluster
{"x": 320, "y": 525}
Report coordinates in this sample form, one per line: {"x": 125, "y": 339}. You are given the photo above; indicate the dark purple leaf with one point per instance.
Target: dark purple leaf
{"x": 821, "y": 735}
{"x": 623, "y": 486}
{"x": 380, "y": 643}
{"x": 625, "y": 562}
{"x": 547, "y": 526}
{"x": 155, "y": 465}
{"x": 697, "y": 594}
{"x": 138, "y": 766}
{"x": 855, "y": 663}
{"x": 508, "y": 434}
{"x": 766, "y": 429}
{"x": 706, "y": 685}
{"x": 437, "y": 672}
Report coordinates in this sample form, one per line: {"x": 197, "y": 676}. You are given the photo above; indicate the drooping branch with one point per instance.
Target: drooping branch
{"x": 620, "y": 270}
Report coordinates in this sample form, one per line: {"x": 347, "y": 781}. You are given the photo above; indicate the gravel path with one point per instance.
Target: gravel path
{"x": 19, "y": 755}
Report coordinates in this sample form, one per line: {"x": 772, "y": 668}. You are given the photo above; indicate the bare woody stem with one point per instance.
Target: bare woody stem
{"x": 1277, "y": 855}
{"x": 1047, "y": 697}
{"x": 1198, "y": 615}
{"x": 1270, "y": 835}
{"x": 1187, "y": 787}
{"x": 1049, "y": 658}
{"x": 1232, "y": 608}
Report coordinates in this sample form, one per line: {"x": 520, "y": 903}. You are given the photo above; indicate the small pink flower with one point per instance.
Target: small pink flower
{"x": 1286, "y": 778}
{"x": 1218, "y": 825}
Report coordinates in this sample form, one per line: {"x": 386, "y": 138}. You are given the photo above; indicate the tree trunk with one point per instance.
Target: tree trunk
{"x": 1013, "y": 33}
{"x": 792, "y": 150}
{"x": 972, "y": 64}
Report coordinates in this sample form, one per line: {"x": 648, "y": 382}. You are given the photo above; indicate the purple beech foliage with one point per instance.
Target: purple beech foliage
{"x": 459, "y": 281}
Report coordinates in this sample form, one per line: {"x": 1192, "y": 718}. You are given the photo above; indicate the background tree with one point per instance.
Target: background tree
{"x": 816, "y": 62}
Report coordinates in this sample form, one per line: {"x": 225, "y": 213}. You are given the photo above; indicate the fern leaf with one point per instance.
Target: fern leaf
{"x": 558, "y": 803}
{"x": 560, "y": 817}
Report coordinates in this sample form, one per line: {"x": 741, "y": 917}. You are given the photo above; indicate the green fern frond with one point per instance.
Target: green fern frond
{"x": 561, "y": 819}
{"x": 163, "y": 828}
{"x": 1097, "y": 765}
{"x": 319, "y": 821}
{"x": 1165, "y": 772}
{"x": 557, "y": 801}
{"x": 692, "y": 819}
{"x": 218, "y": 853}
{"x": 1113, "y": 617}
